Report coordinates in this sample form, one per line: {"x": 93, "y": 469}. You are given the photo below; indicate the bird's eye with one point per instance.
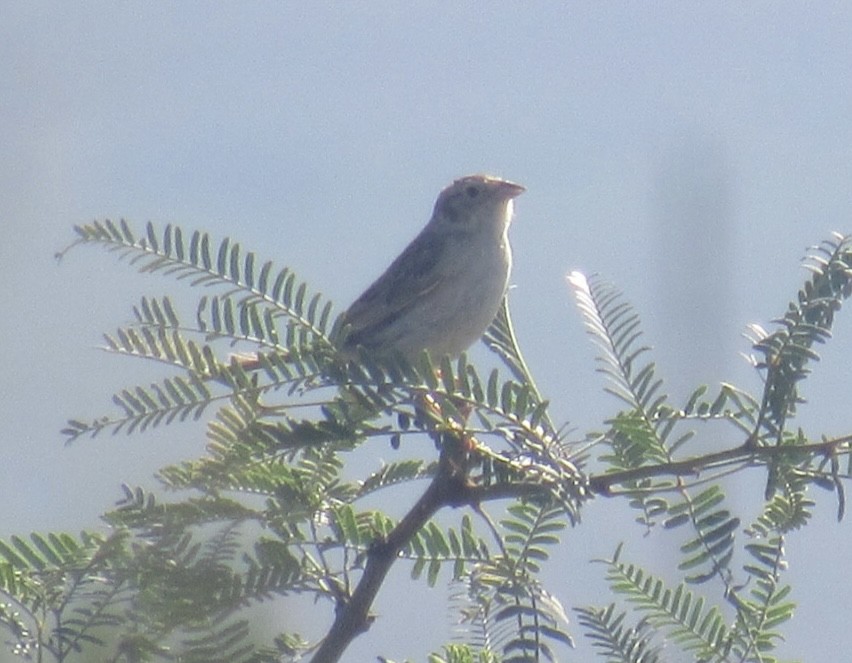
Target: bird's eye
{"x": 472, "y": 192}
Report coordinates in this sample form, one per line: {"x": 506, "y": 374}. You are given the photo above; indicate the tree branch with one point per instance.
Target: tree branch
{"x": 745, "y": 453}
{"x": 448, "y": 488}
{"x": 601, "y": 484}
{"x": 451, "y": 488}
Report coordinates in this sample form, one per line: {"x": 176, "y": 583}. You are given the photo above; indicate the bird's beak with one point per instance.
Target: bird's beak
{"x": 510, "y": 189}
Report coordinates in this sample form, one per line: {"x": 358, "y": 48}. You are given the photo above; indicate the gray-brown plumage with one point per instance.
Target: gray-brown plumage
{"x": 444, "y": 290}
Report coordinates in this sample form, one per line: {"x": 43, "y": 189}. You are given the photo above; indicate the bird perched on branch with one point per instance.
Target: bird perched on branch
{"x": 445, "y": 288}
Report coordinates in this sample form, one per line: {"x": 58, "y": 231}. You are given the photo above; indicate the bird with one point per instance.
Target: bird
{"x": 445, "y": 288}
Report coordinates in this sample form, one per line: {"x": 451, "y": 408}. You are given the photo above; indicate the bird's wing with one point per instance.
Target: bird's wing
{"x": 408, "y": 279}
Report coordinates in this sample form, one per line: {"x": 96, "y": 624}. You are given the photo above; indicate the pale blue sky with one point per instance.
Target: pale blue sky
{"x": 690, "y": 152}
